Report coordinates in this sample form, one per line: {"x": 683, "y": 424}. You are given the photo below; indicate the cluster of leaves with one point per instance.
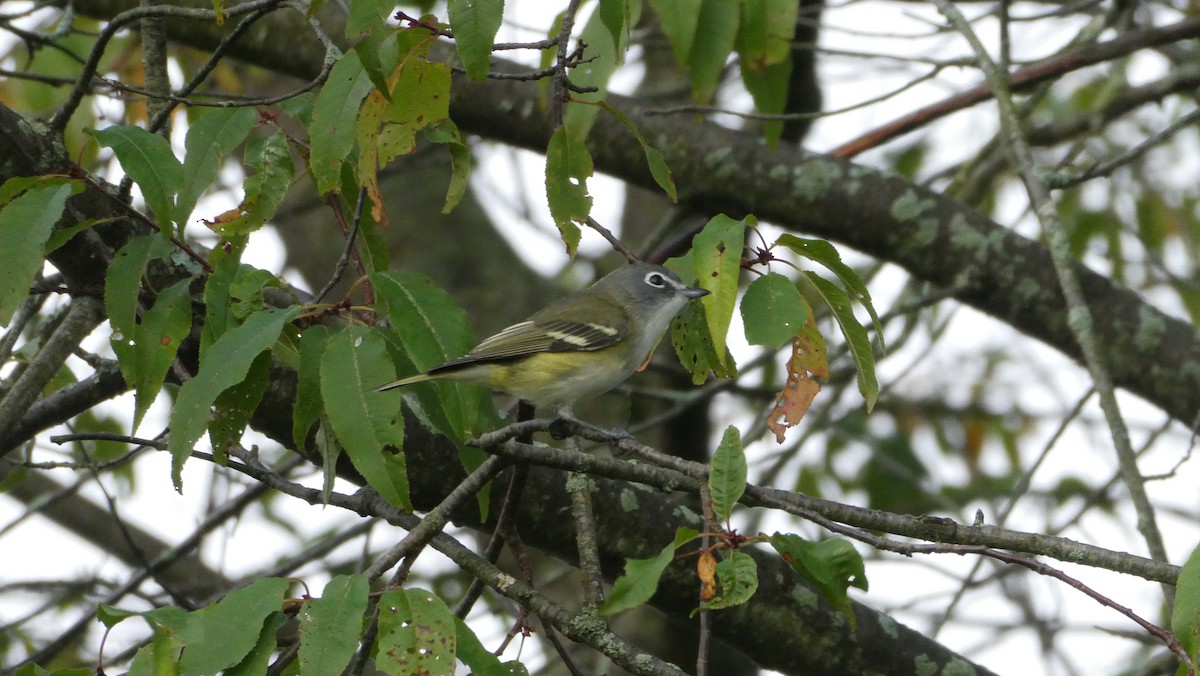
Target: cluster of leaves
{"x": 379, "y": 99}
{"x": 832, "y": 566}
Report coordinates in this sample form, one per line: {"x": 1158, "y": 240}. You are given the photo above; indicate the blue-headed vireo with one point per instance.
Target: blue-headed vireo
{"x": 578, "y": 346}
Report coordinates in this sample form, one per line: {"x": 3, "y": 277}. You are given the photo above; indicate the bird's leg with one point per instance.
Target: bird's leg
{"x": 564, "y": 422}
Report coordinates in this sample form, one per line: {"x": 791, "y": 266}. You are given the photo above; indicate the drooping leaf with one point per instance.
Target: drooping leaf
{"x": 447, "y": 133}
{"x": 856, "y": 336}
{"x": 210, "y": 138}
{"x": 368, "y": 424}
{"x": 308, "y": 383}
{"x": 717, "y": 257}
{"x": 679, "y": 19}
{"x": 716, "y": 34}
{"x": 271, "y": 162}
{"x": 333, "y": 122}
{"x": 766, "y": 31}
{"x": 148, "y": 160}
{"x": 432, "y": 329}
{"x": 654, "y": 159}
{"x": 824, "y": 253}
{"x": 601, "y": 59}
{"x": 694, "y": 346}
{"x": 225, "y": 364}
{"x": 568, "y": 167}
{"x": 479, "y": 659}
{"x": 123, "y": 280}
{"x": 234, "y": 406}
{"x": 145, "y": 353}
{"x": 727, "y": 473}
{"x": 367, "y": 15}
{"x": 26, "y": 222}
{"x": 641, "y": 577}
{"x": 330, "y": 626}
{"x": 475, "y": 23}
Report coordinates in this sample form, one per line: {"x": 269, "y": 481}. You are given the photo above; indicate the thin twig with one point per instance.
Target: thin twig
{"x": 60, "y": 119}
{"x": 611, "y": 239}
{"x": 1080, "y": 315}
{"x": 344, "y": 261}
{"x": 1028, "y": 76}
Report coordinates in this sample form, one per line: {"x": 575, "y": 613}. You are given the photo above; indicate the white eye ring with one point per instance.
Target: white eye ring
{"x": 656, "y": 280}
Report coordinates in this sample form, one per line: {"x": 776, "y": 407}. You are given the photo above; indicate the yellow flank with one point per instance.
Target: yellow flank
{"x": 553, "y": 378}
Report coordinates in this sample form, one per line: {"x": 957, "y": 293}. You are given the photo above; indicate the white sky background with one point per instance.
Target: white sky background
{"x": 915, "y": 591}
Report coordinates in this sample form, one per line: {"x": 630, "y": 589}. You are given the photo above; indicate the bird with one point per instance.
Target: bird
{"x": 578, "y": 346}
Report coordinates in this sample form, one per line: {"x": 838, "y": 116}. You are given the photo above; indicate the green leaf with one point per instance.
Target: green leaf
{"x": 1185, "y": 617}
{"x": 225, "y": 364}
{"x": 123, "y": 281}
{"x": 218, "y": 298}
{"x": 856, "y": 335}
{"x": 234, "y": 406}
{"x": 330, "y": 626}
{"x": 26, "y": 222}
{"x": 159, "y": 656}
{"x": 717, "y": 259}
{"x": 764, "y": 48}
{"x": 568, "y": 167}
{"x": 221, "y": 635}
{"x": 366, "y": 423}
{"x": 772, "y": 311}
{"x": 654, "y": 159}
{"x": 416, "y": 634}
{"x": 333, "y": 123}
{"x": 367, "y": 15}
{"x": 603, "y": 55}
{"x": 766, "y": 32}
{"x": 716, "y": 34}
{"x": 475, "y": 23}
{"x": 616, "y": 17}
{"x": 768, "y": 87}
{"x": 471, "y": 652}
{"x": 256, "y": 661}
{"x": 308, "y": 383}
{"x": 148, "y": 160}
{"x": 111, "y": 616}
{"x": 694, "y": 346}
{"x": 641, "y": 577}
{"x": 445, "y": 132}
{"x": 738, "y": 580}
{"x": 821, "y": 251}
{"x": 432, "y": 329}
{"x": 63, "y": 235}
{"x": 420, "y": 97}
{"x": 146, "y": 353}
{"x": 727, "y": 473}
{"x": 679, "y": 19}
{"x": 211, "y": 136}
{"x": 832, "y": 566}
{"x": 265, "y": 189}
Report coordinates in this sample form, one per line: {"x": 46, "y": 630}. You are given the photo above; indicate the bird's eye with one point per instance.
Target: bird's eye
{"x": 656, "y": 280}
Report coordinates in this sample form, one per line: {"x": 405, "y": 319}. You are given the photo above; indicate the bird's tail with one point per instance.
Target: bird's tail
{"x": 411, "y": 380}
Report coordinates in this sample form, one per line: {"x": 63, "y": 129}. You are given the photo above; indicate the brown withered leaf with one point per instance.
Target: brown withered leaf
{"x": 809, "y": 362}
{"x": 706, "y": 569}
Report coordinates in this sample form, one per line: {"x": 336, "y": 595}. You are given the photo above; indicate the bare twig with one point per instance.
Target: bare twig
{"x": 1028, "y": 76}
{"x": 1080, "y": 316}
